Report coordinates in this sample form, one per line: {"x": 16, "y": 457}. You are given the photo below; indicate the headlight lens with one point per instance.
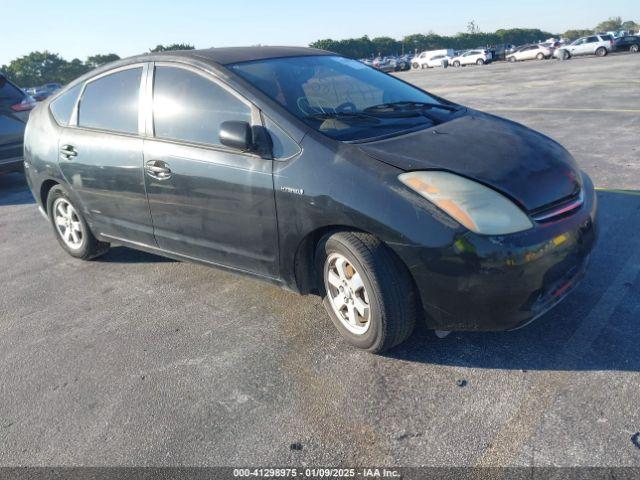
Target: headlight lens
{"x": 479, "y": 208}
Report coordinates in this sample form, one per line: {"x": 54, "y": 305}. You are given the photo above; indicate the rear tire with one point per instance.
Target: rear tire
{"x": 480, "y": 62}
{"x": 367, "y": 291}
{"x": 540, "y": 56}
{"x": 634, "y": 48}
{"x": 70, "y": 228}
{"x": 456, "y": 64}
{"x": 415, "y": 65}
{"x": 601, "y": 52}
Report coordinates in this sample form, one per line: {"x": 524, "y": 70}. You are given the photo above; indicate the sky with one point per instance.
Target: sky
{"x": 80, "y": 28}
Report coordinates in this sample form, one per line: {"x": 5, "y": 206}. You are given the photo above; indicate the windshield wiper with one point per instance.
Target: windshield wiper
{"x": 345, "y": 116}
{"x": 416, "y": 108}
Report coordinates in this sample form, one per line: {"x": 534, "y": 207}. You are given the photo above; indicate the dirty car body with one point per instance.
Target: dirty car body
{"x": 326, "y": 164}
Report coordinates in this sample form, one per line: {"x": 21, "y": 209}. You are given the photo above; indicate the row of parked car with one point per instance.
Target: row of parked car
{"x": 43, "y": 91}
{"x": 599, "y": 44}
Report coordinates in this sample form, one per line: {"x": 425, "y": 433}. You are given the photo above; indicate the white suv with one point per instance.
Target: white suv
{"x": 479, "y": 57}
{"x": 599, "y": 45}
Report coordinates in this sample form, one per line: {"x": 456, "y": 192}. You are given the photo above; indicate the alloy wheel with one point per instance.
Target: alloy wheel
{"x": 347, "y": 294}
{"x": 68, "y": 224}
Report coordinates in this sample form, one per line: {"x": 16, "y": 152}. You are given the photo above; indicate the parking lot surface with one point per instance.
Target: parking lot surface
{"x": 137, "y": 360}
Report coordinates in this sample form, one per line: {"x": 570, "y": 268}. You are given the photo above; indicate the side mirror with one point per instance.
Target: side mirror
{"x": 242, "y": 136}
{"x": 236, "y": 135}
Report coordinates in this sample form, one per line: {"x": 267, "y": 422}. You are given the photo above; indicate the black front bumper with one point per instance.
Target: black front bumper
{"x": 501, "y": 283}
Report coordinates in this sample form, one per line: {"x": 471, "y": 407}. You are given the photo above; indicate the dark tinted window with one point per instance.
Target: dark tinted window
{"x": 606, "y": 37}
{"x": 592, "y": 39}
{"x": 62, "y": 106}
{"x": 8, "y": 92}
{"x": 111, "y": 102}
{"x": 190, "y": 107}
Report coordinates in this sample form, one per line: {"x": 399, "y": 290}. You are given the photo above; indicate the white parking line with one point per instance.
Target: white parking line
{"x": 523, "y": 424}
{"x": 566, "y": 110}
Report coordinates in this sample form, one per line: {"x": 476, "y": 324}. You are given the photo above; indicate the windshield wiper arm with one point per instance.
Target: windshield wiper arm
{"x": 409, "y": 106}
{"x": 346, "y": 116}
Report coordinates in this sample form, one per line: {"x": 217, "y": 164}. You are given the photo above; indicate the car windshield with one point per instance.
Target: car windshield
{"x": 342, "y": 98}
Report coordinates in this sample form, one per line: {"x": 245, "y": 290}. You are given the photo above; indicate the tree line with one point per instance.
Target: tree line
{"x": 38, "y": 68}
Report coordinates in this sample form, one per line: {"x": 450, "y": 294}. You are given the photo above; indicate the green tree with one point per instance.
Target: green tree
{"x": 386, "y": 46}
{"x": 37, "y": 68}
{"x": 73, "y": 69}
{"x": 613, "y": 23}
{"x": 98, "y": 60}
{"x": 631, "y": 26}
{"x": 575, "y": 34}
{"x": 173, "y": 46}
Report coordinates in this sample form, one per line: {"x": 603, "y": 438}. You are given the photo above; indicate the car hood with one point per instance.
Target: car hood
{"x": 525, "y": 165}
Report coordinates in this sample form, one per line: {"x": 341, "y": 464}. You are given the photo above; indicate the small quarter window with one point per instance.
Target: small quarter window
{"x": 283, "y": 145}
{"x": 62, "y": 107}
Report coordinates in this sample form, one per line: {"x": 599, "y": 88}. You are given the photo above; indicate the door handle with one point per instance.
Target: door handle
{"x": 68, "y": 152}
{"x": 157, "y": 169}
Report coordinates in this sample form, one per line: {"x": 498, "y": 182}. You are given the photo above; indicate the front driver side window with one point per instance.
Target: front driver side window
{"x": 189, "y": 107}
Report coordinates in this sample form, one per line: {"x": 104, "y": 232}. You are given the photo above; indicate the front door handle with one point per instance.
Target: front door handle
{"x": 158, "y": 169}
{"x": 68, "y": 152}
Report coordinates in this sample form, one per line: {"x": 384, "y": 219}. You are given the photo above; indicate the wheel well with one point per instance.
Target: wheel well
{"x": 45, "y": 188}
{"x": 305, "y": 266}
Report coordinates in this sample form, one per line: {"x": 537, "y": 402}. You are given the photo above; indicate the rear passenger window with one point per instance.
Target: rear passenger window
{"x": 111, "y": 102}
{"x": 62, "y": 107}
{"x": 592, "y": 39}
{"x": 190, "y": 107}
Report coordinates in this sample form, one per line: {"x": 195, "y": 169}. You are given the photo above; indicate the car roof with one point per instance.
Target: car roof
{"x": 227, "y": 55}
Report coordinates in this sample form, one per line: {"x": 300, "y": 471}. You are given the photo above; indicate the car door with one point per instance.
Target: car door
{"x": 577, "y": 48}
{"x": 101, "y": 155}
{"x": 590, "y": 45}
{"x": 208, "y": 202}
{"x": 532, "y": 52}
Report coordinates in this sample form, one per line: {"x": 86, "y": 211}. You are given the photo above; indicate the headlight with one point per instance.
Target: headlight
{"x": 479, "y": 208}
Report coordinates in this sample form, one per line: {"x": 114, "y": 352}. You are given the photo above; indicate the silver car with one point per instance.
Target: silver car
{"x": 599, "y": 45}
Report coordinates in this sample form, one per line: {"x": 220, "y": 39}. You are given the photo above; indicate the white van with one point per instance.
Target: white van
{"x": 422, "y": 60}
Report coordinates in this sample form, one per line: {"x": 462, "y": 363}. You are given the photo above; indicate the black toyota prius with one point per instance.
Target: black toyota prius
{"x": 319, "y": 174}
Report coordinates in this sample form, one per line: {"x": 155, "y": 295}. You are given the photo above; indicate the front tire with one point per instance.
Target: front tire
{"x": 367, "y": 291}
{"x": 564, "y": 55}
{"x": 512, "y": 59}
{"x": 634, "y": 48}
{"x": 70, "y": 228}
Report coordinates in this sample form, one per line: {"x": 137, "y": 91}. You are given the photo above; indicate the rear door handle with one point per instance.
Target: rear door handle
{"x": 157, "y": 169}
{"x": 68, "y": 152}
